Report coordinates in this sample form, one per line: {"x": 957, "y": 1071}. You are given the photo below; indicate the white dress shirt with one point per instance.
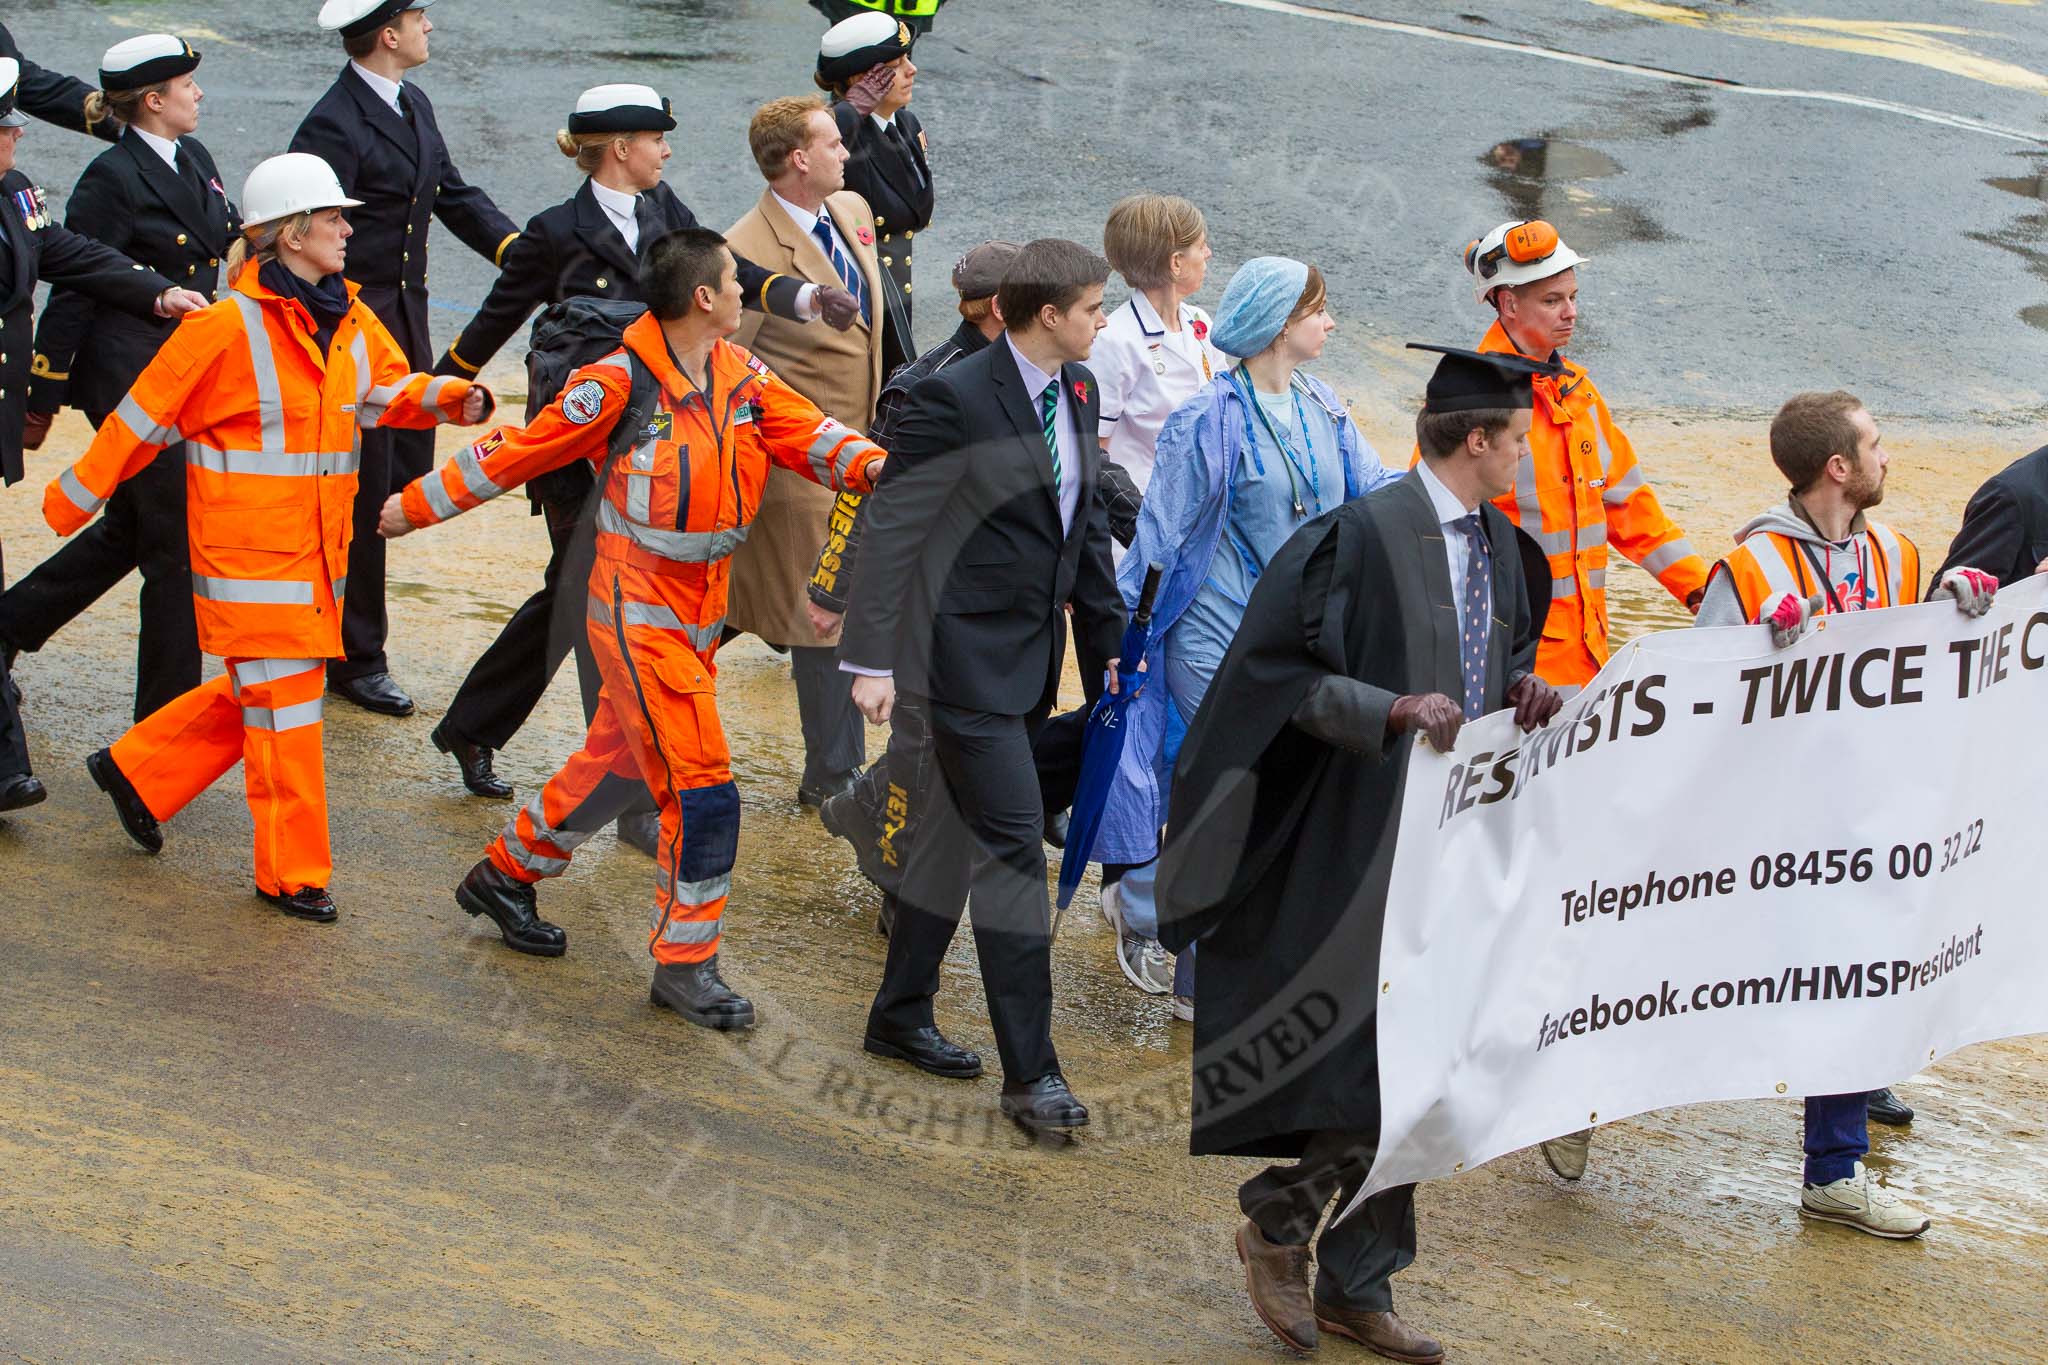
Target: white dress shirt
{"x": 1035, "y": 381}
{"x": 1449, "y": 512}
{"x": 387, "y": 90}
{"x": 805, "y": 220}
{"x": 620, "y": 208}
{"x": 167, "y": 148}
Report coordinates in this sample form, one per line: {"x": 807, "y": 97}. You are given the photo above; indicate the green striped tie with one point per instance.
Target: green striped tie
{"x": 1049, "y": 413}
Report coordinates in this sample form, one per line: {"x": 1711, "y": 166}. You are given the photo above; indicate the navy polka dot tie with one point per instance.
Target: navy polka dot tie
{"x": 1477, "y": 610}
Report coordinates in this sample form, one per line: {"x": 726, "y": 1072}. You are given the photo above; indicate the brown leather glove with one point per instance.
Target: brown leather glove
{"x": 1433, "y": 713}
{"x": 839, "y": 308}
{"x": 1535, "y": 702}
{"x": 34, "y": 427}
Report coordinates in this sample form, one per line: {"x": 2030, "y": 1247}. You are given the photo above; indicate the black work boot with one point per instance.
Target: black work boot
{"x": 846, "y": 816}
{"x": 475, "y": 761}
{"x": 696, "y": 991}
{"x": 128, "y": 804}
{"x": 511, "y": 904}
{"x": 308, "y": 902}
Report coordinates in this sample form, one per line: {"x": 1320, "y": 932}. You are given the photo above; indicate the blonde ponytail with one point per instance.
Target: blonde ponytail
{"x": 102, "y": 105}
{"x": 588, "y": 150}
{"x": 259, "y": 241}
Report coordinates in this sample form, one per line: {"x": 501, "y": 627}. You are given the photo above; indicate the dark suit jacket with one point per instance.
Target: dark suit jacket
{"x": 62, "y": 257}
{"x": 52, "y": 96}
{"x": 179, "y": 227}
{"x": 403, "y": 174}
{"x": 571, "y": 251}
{"x": 966, "y": 570}
{"x": 2005, "y": 527}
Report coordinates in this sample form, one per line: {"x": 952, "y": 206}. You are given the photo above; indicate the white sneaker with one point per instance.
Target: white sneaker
{"x": 1567, "y": 1155}
{"x": 1859, "y": 1202}
{"x": 1111, "y": 905}
{"x": 1146, "y": 965}
{"x": 1184, "y": 1008}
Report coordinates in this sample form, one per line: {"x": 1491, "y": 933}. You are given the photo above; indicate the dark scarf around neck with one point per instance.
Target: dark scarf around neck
{"x": 327, "y": 301}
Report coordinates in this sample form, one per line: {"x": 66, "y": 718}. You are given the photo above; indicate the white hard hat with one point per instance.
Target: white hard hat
{"x": 10, "y": 75}
{"x": 1520, "y": 251}
{"x": 297, "y": 182}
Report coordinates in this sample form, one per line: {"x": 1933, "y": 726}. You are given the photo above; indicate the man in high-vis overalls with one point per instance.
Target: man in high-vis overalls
{"x": 669, "y": 513}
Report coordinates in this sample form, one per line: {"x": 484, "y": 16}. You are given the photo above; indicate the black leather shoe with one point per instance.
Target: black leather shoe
{"x": 17, "y": 792}
{"x": 1887, "y": 1108}
{"x": 475, "y": 762}
{"x": 816, "y": 795}
{"x": 373, "y": 692}
{"x": 927, "y": 1049}
{"x": 310, "y": 902}
{"x": 135, "y": 817}
{"x": 1044, "y": 1106}
{"x": 511, "y": 904}
{"x": 844, "y": 817}
{"x": 641, "y": 830}
{"x": 696, "y": 991}
{"x": 1056, "y": 829}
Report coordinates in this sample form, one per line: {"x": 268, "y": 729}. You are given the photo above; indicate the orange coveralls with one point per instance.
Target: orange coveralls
{"x": 1578, "y": 491}
{"x": 271, "y": 430}
{"x": 669, "y": 515}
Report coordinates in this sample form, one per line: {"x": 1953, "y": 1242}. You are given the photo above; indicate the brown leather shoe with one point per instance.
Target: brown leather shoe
{"x": 1383, "y": 1333}
{"x": 1276, "y": 1278}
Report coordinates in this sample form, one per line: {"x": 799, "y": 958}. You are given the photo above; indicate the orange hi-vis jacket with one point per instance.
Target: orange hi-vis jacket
{"x": 272, "y": 445}
{"x": 1766, "y": 564}
{"x": 1579, "y": 491}
{"x": 675, "y": 507}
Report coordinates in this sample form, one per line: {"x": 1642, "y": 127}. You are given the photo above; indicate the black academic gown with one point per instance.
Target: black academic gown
{"x": 1280, "y": 845}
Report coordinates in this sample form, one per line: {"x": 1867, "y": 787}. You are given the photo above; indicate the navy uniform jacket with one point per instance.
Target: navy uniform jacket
{"x": 897, "y": 186}
{"x": 572, "y": 251}
{"x": 177, "y": 225}
{"x": 53, "y": 97}
{"x": 62, "y": 257}
{"x": 403, "y": 174}
{"x": 2005, "y": 527}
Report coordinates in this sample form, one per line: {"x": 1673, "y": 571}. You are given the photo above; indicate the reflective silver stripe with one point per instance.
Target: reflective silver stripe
{"x": 249, "y": 672}
{"x": 617, "y": 360}
{"x": 535, "y": 862}
{"x": 568, "y": 840}
{"x": 640, "y": 484}
{"x": 370, "y": 411}
{"x": 143, "y": 425}
{"x": 600, "y": 611}
{"x": 294, "y": 717}
{"x": 1561, "y": 588}
{"x": 1596, "y": 578}
{"x": 81, "y": 497}
{"x": 359, "y": 352}
{"x": 1529, "y": 502}
{"x": 705, "y": 636}
{"x": 1600, "y": 439}
{"x": 690, "y": 931}
{"x": 830, "y": 434}
{"x": 1552, "y": 542}
{"x": 1591, "y": 537}
{"x": 651, "y": 614}
{"x": 853, "y": 452}
{"x": 269, "y": 394}
{"x": 657, "y": 617}
{"x": 1624, "y": 488}
{"x": 1766, "y": 551}
{"x": 473, "y": 476}
{"x": 436, "y": 493}
{"x": 278, "y": 464}
{"x": 340, "y": 587}
{"x": 684, "y": 547}
{"x": 271, "y": 592}
{"x": 435, "y": 387}
{"x": 1666, "y": 555}
{"x": 1894, "y": 555}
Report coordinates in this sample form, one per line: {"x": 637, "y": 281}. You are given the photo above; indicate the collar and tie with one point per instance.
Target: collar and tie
{"x": 894, "y": 132}
{"x": 849, "y": 274}
{"x": 1049, "y": 416}
{"x": 646, "y": 221}
{"x": 1477, "y": 614}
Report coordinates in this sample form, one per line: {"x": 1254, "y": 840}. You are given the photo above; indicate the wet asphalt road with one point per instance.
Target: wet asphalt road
{"x": 226, "y": 1136}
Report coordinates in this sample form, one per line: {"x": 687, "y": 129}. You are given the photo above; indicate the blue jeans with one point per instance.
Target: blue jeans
{"x": 1837, "y": 1136}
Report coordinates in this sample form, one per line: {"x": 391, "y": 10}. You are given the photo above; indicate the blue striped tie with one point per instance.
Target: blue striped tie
{"x": 1049, "y": 414}
{"x": 849, "y": 275}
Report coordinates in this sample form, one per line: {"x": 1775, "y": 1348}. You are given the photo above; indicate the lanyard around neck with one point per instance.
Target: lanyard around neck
{"x": 1311, "y": 471}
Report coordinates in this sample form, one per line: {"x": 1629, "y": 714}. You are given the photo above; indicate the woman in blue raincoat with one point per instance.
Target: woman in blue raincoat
{"x": 1260, "y": 450}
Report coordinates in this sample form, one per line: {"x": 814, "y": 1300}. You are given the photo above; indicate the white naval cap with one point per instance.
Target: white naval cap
{"x": 861, "y": 43}
{"x": 10, "y": 76}
{"x": 134, "y": 63}
{"x": 621, "y": 109}
{"x": 356, "y": 17}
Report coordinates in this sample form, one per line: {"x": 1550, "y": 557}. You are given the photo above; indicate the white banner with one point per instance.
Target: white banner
{"x": 1724, "y": 871}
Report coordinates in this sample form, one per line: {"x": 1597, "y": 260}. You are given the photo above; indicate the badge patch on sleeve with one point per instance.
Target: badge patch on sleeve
{"x": 583, "y": 402}
{"x": 490, "y": 444}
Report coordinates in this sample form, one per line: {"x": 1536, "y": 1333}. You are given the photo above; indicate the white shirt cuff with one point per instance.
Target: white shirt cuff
{"x": 845, "y": 667}
{"x": 807, "y": 303}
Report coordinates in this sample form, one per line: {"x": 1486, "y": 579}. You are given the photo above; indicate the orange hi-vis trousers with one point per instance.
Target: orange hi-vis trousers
{"x": 266, "y": 714}
{"x": 656, "y": 727}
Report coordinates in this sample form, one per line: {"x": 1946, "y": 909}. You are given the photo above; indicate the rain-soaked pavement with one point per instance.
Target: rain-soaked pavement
{"x": 228, "y": 1136}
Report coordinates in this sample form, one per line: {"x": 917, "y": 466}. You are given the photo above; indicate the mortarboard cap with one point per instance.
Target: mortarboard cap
{"x": 1467, "y": 381}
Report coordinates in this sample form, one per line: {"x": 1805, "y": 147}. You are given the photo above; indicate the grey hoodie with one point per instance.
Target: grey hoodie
{"x": 1846, "y": 563}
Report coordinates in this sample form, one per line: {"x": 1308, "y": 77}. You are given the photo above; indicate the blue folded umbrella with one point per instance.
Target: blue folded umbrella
{"x": 1102, "y": 745}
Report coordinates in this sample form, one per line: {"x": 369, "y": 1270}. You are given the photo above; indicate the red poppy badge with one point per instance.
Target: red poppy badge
{"x": 1201, "y": 330}
{"x": 866, "y": 234}
{"x": 1081, "y": 391}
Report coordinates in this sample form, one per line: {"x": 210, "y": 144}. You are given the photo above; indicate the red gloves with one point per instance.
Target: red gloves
{"x": 1787, "y": 615}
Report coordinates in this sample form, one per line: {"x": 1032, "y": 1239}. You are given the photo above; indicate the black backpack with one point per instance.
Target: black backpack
{"x": 566, "y": 337}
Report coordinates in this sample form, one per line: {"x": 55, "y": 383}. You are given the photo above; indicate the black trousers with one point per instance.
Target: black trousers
{"x": 1356, "y": 1259}
{"x": 980, "y": 838}
{"x": 391, "y": 460}
{"x": 509, "y": 678}
{"x": 143, "y": 528}
{"x": 835, "y": 735}
{"x": 13, "y": 741}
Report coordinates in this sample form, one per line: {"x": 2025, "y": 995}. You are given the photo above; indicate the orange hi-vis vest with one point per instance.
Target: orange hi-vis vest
{"x": 675, "y": 507}
{"x": 272, "y": 433}
{"x": 1766, "y": 564}
{"x": 1577, "y": 492}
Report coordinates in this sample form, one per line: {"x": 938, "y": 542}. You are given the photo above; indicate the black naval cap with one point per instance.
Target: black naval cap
{"x": 861, "y": 43}
{"x": 137, "y": 63}
{"x": 356, "y": 17}
{"x": 1469, "y": 381}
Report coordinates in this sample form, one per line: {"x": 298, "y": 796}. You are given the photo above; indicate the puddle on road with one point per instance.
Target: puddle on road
{"x": 2023, "y": 236}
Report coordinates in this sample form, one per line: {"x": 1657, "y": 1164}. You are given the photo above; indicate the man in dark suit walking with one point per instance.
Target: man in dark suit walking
{"x": 1406, "y": 611}
{"x": 377, "y": 131}
{"x": 986, "y": 527}
{"x": 2005, "y": 527}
